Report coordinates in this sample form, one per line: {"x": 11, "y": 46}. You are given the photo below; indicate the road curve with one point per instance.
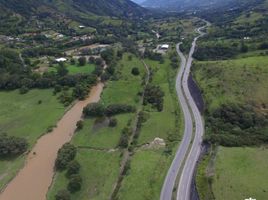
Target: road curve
{"x": 169, "y": 183}
{"x": 184, "y": 187}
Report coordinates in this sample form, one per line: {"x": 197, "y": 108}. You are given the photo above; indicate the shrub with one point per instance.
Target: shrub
{"x": 75, "y": 183}
{"x": 94, "y": 110}
{"x": 65, "y": 155}
{"x": 24, "y": 90}
{"x": 80, "y": 124}
{"x": 115, "y": 109}
{"x": 73, "y": 168}
{"x": 135, "y": 71}
{"x": 63, "y": 195}
{"x": 113, "y": 122}
{"x": 82, "y": 61}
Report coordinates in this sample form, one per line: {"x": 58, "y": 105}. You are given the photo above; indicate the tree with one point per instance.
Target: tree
{"x": 82, "y": 61}
{"x": 75, "y": 183}
{"x": 94, "y": 110}
{"x": 80, "y": 92}
{"x": 61, "y": 69}
{"x": 135, "y": 71}
{"x": 73, "y": 168}
{"x": 65, "y": 155}
{"x": 63, "y": 195}
{"x": 80, "y": 125}
{"x": 72, "y": 62}
{"x": 91, "y": 60}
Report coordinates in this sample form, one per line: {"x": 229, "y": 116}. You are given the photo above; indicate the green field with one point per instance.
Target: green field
{"x": 99, "y": 172}
{"x": 76, "y": 69}
{"x": 241, "y": 173}
{"x": 234, "y": 81}
{"x": 100, "y": 168}
{"x": 23, "y": 116}
{"x": 146, "y": 175}
{"x": 161, "y": 124}
{"x": 149, "y": 166}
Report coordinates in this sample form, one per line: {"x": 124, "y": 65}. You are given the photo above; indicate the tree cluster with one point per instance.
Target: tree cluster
{"x": 12, "y": 146}
{"x": 155, "y": 96}
{"x": 99, "y": 110}
{"x": 236, "y": 125}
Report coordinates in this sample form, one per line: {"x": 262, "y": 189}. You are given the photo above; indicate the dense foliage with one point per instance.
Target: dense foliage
{"x": 236, "y": 125}
{"x": 65, "y": 155}
{"x": 155, "y": 96}
{"x": 12, "y": 146}
{"x": 99, "y": 110}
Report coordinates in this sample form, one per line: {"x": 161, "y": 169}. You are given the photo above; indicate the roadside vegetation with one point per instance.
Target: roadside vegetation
{"x": 231, "y": 71}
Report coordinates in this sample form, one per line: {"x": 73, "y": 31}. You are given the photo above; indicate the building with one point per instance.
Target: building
{"x": 60, "y": 59}
{"x": 164, "y": 47}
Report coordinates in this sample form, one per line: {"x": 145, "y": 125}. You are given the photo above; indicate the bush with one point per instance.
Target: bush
{"x": 80, "y": 125}
{"x": 123, "y": 142}
{"x": 113, "y": 122}
{"x": 75, "y": 183}
{"x": 65, "y": 155}
{"x": 115, "y": 109}
{"x": 73, "y": 168}
{"x": 12, "y": 146}
{"x": 94, "y": 110}
{"x": 135, "y": 71}
{"x": 82, "y": 61}
{"x": 63, "y": 195}
{"x": 24, "y": 90}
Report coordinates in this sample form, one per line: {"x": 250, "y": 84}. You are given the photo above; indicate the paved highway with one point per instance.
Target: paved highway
{"x": 187, "y": 105}
{"x": 167, "y": 189}
{"x": 184, "y": 187}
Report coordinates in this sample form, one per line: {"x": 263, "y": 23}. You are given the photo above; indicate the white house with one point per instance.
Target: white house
{"x": 164, "y": 47}
{"x": 60, "y": 59}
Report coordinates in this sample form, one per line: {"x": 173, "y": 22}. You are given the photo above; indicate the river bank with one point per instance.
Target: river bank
{"x": 34, "y": 179}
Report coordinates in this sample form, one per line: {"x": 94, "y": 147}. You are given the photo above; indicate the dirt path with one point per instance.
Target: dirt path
{"x": 34, "y": 179}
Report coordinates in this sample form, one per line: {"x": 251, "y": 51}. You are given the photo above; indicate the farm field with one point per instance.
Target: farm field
{"x": 28, "y": 116}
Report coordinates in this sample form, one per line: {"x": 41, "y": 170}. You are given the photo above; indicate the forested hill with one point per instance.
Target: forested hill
{"x": 185, "y": 5}
{"x": 115, "y": 8}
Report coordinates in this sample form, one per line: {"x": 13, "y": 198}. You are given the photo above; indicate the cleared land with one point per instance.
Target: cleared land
{"x": 76, "y": 69}
{"x": 25, "y": 116}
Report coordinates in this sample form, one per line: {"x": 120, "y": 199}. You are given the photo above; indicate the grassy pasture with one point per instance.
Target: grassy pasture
{"x": 23, "y": 116}
{"x": 241, "y": 173}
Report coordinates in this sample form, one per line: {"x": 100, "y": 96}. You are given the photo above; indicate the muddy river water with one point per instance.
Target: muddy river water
{"x": 33, "y": 180}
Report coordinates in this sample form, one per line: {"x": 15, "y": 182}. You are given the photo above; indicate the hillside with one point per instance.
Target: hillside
{"x": 17, "y": 15}
{"x": 185, "y": 5}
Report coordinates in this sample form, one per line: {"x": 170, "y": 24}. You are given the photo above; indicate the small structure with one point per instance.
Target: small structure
{"x": 82, "y": 27}
{"x": 164, "y": 47}
{"x": 60, "y": 59}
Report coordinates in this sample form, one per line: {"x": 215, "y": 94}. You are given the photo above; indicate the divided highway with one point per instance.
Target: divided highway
{"x": 192, "y": 117}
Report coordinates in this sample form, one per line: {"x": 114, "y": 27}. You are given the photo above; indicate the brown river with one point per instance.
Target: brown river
{"x": 33, "y": 180}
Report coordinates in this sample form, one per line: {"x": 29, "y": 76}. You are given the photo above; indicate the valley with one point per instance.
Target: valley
{"x": 97, "y": 99}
